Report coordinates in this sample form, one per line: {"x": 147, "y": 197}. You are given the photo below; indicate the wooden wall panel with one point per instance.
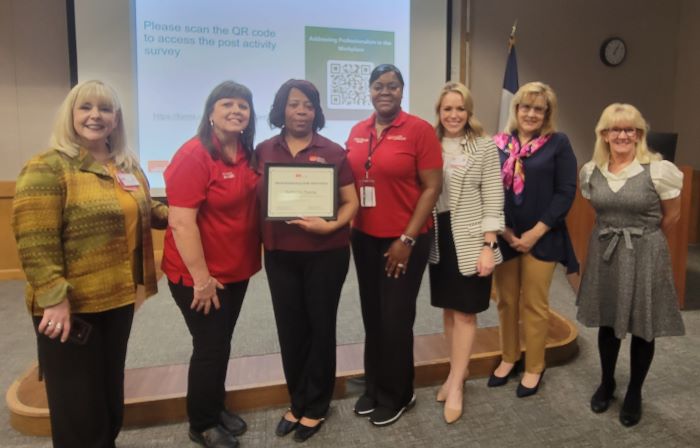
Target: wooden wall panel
{"x": 694, "y": 225}
{"x": 9, "y": 261}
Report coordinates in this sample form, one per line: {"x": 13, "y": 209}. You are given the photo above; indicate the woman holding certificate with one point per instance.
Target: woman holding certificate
{"x": 211, "y": 250}
{"x": 397, "y": 162}
{"x": 306, "y": 257}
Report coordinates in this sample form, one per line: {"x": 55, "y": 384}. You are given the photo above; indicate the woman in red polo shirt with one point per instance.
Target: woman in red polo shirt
{"x": 212, "y": 248}
{"x": 306, "y": 260}
{"x": 397, "y": 162}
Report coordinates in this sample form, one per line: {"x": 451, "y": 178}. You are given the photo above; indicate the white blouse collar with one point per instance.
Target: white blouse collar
{"x": 630, "y": 170}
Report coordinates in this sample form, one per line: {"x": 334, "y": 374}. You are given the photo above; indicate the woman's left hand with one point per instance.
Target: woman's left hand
{"x": 314, "y": 225}
{"x": 485, "y": 263}
{"x": 397, "y": 259}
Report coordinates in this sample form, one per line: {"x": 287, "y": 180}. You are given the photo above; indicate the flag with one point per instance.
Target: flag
{"x": 510, "y": 86}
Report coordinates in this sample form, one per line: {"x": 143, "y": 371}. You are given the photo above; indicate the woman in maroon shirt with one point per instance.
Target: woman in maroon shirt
{"x": 306, "y": 260}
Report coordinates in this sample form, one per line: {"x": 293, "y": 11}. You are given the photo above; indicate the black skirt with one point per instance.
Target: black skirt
{"x": 448, "y": 287}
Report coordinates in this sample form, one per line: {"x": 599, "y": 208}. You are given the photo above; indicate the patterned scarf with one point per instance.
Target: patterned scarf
{"x": 513, "y": 171}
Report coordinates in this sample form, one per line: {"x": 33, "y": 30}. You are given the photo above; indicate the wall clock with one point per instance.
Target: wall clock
{"x": 613, "y": 51}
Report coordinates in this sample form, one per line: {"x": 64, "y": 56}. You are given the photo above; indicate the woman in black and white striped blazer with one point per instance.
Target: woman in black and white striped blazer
{"x": 469, "y": 215}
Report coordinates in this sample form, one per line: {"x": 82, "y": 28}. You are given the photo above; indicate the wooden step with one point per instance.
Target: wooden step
{"x": 156, "y": 395}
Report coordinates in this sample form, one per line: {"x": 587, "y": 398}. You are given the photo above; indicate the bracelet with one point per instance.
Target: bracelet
{"x": 203, "y": 287}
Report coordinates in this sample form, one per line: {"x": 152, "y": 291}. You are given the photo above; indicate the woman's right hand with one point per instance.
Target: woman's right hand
{"x": 56, "y": 321}
{"x": 205, "y": 296}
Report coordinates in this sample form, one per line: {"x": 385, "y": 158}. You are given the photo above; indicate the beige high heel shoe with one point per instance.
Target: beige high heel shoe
{"x": 451, "y": 415}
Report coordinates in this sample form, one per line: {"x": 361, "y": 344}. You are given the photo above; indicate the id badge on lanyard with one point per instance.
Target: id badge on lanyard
{"x": 367, "y": 196}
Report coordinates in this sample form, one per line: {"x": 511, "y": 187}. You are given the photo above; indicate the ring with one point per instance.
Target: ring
{"x": 49, "y": 323}
{"x": 401, "y": 265}
{"x": 59, "y": 326}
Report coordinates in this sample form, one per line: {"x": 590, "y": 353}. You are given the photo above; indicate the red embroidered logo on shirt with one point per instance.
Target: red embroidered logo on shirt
{"x": 396, "y": 137}
{"x": 318, "y": 159}
{"x": 228, "y": 175}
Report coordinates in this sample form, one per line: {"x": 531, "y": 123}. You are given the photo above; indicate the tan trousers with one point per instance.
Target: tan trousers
{"x": 523, "y": 289}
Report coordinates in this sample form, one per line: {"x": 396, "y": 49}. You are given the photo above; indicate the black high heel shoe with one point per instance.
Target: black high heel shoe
{"x": 601, "y": 399}
{"x": 498, "y": 381}
{"x": 523, "y": 391}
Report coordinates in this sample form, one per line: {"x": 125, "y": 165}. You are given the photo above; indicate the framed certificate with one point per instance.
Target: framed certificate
{"x": 295, "y": 191}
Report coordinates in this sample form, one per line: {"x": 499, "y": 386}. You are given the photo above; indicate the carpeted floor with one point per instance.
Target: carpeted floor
{"x": 558, "y": 416}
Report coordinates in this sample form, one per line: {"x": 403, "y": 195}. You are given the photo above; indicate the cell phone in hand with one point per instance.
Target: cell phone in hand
{"x": 79, "y": 331}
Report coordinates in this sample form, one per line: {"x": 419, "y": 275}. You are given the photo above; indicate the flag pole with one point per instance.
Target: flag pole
{"x": 511, "y": 39}
{"x": 510, "y": 80}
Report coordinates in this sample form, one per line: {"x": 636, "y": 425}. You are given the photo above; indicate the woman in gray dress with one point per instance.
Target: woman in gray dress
{"x": 627, "y": 285}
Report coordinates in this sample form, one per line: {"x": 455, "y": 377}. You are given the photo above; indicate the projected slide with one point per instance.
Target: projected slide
{"x": 184, "y": 48}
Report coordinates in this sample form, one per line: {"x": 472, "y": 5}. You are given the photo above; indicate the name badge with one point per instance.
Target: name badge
{"x": 367, "y": 196}
{"x": 128, "y": 181}
{"x": 458, "y": 161}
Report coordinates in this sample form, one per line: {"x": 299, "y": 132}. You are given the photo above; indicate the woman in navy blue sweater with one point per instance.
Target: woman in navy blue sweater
{"x": 539, "y": 178}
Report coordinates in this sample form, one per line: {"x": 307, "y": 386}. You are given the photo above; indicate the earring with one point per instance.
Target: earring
{"x": 211, "y": 123}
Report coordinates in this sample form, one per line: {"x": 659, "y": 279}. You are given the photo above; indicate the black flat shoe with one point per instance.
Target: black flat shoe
{"x": 303, "y": 432}
{"x": 522, "y": 391}
{"x": 216, "y": 437}
{"x": 498, "y": 381}
{"x": 601, "y": 399}
{"x": 631, "y": 412}
{"x": 233, "y": 423}
{"x": 284, "y": 427}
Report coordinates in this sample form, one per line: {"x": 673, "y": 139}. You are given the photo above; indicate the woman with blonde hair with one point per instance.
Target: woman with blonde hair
{"x": 539, "y": 177}
{"x": 468, "y": 214}
{"x": 627, "y": 284}
{"x": 82, "y": 217}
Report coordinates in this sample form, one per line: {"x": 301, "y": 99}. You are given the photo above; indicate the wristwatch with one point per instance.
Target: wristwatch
{"x": 492, "y": 244}
{"x": 408, "y": 240}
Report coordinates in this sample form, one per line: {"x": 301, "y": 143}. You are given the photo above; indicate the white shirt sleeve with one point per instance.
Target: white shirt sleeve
{"x": 667, "y": 179}
{"x": 584, "y": 177}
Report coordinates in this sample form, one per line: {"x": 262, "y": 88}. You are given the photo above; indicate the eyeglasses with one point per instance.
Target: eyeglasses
{"x": 392, "y": 87}
{"x": 615, "y": 132}
{"x": 526, "y": 108}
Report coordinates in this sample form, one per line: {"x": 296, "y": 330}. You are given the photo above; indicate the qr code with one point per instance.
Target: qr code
{"x": 348, "y": 84}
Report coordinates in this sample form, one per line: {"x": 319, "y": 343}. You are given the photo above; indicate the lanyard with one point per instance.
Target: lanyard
{"x": 370, "y": 153}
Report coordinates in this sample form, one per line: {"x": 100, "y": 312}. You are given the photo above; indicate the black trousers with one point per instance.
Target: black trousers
{"x": 211, "y": 348}
{"x": 388, "y": 313}
{"x": 305, "y": 289}
{"x": 85, "y": 383}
